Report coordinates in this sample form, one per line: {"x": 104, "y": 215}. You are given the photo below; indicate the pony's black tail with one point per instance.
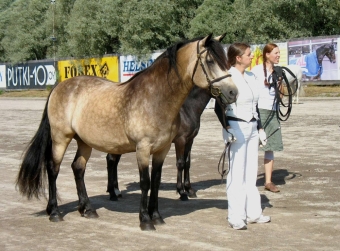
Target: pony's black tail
{"x": 32, "y": 175}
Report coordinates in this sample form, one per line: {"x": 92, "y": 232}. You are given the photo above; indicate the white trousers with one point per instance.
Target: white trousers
{"x": 243, "y": 196}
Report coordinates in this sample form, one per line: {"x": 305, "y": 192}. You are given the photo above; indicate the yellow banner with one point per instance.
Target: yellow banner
{"x": 106, "y": 67}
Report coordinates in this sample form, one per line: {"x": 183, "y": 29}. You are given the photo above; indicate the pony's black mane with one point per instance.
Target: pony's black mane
{"x": 214, "y": 49}
{"x": 326, "y": 46}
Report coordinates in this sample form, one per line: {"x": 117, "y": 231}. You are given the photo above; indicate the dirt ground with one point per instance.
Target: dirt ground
{"x": 305, "y": 214}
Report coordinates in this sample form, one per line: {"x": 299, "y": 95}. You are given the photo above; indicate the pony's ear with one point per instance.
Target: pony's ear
{"x": 205, "y": 40}
{"x": 219, "y": 38}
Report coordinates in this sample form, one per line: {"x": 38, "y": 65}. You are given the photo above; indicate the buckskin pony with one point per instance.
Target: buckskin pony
{"x": 190, "y": 116}
{"x": 140, "y": 115}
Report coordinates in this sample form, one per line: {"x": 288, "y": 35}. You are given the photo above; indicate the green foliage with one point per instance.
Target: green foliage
{"x": 24, "y": 36}
{"x": 93, "y": 28}
{"x": 153, "y": 25}
{"x": 213, "y": 16}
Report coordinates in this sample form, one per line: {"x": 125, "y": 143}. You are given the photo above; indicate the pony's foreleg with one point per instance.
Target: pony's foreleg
{"x": 187, "y": 185}
{"x": 180, "y": 164}
{"x": 112, "y": 161}
{"x": 143, "y": 155}
{"x": 78, "y": 167}
{"x": 156, "y": 175}
{"x": 297, "y": 95}
{"x": 299, "y": 92}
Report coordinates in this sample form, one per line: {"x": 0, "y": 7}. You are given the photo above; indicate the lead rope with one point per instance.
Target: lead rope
{"x": 221, "y": 162}
{"x": 291, "y": 88}
{"x": 222, "y": 158}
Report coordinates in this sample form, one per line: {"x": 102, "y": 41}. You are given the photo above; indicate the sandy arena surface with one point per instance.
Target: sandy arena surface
{"x": 305, "y": 214}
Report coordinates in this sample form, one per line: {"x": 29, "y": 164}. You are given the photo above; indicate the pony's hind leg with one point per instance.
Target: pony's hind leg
{"x": 52, "y": 205}
{"x": 180, "y": 164}
{"x": 187, "y": 185}
{"x": 112, "y": 161}
{"x": 53, "y": 168}
{"x": 78, "y": 167}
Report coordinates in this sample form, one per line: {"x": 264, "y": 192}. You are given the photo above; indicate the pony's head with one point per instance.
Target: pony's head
{"x": 331, "y": 52}
{"x": 210, "y": 69}
{"x": 327, "y": 50}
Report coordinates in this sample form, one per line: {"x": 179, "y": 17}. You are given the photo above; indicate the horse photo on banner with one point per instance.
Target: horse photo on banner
{"x": 316, "y": 56}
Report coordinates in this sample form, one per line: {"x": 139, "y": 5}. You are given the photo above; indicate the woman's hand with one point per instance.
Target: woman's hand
{"x": 230, "y": 135}
{"x": 263, "y": 137}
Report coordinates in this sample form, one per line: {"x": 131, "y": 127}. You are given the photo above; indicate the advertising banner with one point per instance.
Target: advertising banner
{"x": 130, "y": 65}
{"x": 106, "y": 67}
{"x": 316, "y": 56}
{"x": 31, "y": 75}
{"x": 3, "y": 76}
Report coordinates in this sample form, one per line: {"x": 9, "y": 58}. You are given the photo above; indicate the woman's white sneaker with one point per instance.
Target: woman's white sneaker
{"x": 261, "y": 219}
{"x": 238, "y": 225}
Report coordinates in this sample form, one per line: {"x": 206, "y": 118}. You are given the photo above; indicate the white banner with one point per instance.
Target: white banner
{"x": 130, "y": 65}
{"x": 2, "y": 76}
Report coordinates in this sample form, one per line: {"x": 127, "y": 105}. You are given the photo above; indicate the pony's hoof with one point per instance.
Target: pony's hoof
{"x": 91, "y": 214}
{"x": 147, "y": 226}
{"x": 192, "y": 194}
{"x": 158, "y": 221}
{"x": 55, "y": 218}
{"x": 184, "y": 197}
{"x": 113, "y": 197}
{"x": 118, "y": 193}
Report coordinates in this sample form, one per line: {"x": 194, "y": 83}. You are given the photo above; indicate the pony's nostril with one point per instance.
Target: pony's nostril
{"x": 232, "y": 93}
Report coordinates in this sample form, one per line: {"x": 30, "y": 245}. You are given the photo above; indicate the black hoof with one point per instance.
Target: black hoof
{"x": 113, "y": 197}
{"x": 158, "y": 221}
{"x": 184, "y": 197}
{"x": 55, "y": 218}
{"x": 147, "y": 226}
{"x": 90, "y": 214}
{"x": 192, "y": 194}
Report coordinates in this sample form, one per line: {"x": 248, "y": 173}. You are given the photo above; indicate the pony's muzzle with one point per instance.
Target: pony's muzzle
{"x": 230, "y": 96}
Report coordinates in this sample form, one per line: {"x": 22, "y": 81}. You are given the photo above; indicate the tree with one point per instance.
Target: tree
{"x": 4, "y": 20}
{"x": 213, "y": 16}
{"x": 258, "y": 21}
{"x": 84, "y": 29}
{"x": 24, "y": 37}
{"x": 93, "y": 28}
{"x": 147, "y": 26}
{"x": 153, "y": 25}
{"x": 57, "y": 18}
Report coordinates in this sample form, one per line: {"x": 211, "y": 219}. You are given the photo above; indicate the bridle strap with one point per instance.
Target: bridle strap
{"x": 210, "y": 82}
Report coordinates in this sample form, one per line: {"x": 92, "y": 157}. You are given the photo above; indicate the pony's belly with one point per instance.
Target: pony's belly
{"x": 122, "y": 148}
{"x": 116, "y": 149}
{"x": 113, "y": 145}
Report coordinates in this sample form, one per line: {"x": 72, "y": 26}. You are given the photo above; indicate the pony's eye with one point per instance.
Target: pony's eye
{"x": 210, "y": 61}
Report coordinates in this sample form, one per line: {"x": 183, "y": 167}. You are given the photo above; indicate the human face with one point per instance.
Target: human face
{"x": 245, "y": 59}
{"x": 274, "y": 56}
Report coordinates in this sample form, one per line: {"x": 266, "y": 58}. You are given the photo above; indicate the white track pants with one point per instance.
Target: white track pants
{"x": 243, "y": 196}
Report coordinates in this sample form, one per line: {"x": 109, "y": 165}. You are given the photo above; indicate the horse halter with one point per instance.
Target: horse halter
{"x": 215, "y": 91}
